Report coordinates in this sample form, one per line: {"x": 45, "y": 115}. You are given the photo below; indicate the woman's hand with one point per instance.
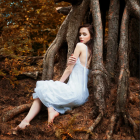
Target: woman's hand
{"x": 71, "y": 60}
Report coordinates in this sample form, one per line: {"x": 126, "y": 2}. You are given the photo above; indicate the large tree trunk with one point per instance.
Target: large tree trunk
{"x": 113, "y": 30}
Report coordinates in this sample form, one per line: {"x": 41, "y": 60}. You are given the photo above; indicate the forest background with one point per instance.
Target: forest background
{"x": 27, "y": 28}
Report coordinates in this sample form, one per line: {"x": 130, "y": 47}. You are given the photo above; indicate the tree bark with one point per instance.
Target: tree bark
{"x": 134, "y": 8}
{"x": 64, "y": 10}
{"x": 122, "y": 91}
{"x": 48, "y": 61}
{"x": 112, "y": 43}
{"x": 99, "y": 72}
{"x": 123, "y": 81}
{"x": 17, "y": 110}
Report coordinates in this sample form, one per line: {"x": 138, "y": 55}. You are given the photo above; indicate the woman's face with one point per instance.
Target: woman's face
{"x": 84, "y": 35}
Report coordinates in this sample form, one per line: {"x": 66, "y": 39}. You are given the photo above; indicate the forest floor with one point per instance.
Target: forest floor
{"x": 72, "y": 124}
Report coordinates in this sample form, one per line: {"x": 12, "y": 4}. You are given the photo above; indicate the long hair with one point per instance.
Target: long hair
{"x": 90, "y": 42}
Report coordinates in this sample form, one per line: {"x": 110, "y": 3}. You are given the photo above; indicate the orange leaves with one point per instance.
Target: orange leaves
{"x": 66, "y": 131}
{"x": 13, "y": 67}
{"x": 28, "y": 28}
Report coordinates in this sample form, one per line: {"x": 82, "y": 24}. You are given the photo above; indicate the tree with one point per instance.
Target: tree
{"x": 120, "y": 14}
{"x": 121, "y": 17}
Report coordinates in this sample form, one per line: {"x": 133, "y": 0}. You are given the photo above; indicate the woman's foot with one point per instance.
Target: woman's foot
{"x": 51, "y": 115}
{"x": 22, "y": 125}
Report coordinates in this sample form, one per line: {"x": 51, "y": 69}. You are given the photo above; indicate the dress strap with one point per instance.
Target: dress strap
{"x": 85, "y": 69}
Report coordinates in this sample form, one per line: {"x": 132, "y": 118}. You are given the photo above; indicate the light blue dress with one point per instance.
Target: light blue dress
{"x": 62, "y": 96}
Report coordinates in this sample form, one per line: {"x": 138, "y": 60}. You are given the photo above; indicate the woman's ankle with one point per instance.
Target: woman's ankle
{"x": 26, "y": 121}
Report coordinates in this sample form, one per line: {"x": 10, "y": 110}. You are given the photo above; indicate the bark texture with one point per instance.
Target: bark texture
{"x": 48, "y": 61}
{"x": 17, "y": 110}
{"x": 134, "y": 8}
{"x": 123, "y": 81}
{"x": 64, "y": 10}
{"x": 122, "y": 91}
{"x": 98, "y": 70}
{"x": 113, "y": 30}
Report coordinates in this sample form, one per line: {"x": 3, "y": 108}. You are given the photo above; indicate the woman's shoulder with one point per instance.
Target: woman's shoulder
{"x": 81, "y": 45}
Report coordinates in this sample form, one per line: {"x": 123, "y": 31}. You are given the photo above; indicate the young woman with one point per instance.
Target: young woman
{"x": 57, "y": 96}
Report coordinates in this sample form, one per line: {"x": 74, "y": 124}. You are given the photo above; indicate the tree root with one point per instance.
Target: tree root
{"x": 135, "y": 127}
{"x": 109, "y": 133}
{"x": 127, "y": 120}
{"x": 92, "y": 127}
{"x": 33, "y": 75}
{"x": 15, "y": 111}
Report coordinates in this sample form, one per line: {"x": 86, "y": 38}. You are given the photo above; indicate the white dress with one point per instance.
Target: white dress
{"x": 62, "y": 96}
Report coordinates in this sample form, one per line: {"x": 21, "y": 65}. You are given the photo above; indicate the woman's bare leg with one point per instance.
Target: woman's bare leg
{"x": 34, "y": 110}
{"x": 51, "y": 114}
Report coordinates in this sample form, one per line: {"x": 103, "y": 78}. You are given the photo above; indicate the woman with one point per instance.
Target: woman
{"x": 57, "y": 96}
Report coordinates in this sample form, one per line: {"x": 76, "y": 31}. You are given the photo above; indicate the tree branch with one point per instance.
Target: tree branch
{"x": 64, "y": 10}
{"x": 134, "y": 8}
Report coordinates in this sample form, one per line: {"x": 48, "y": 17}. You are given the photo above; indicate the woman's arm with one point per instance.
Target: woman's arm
{"x": 69, "y": 68}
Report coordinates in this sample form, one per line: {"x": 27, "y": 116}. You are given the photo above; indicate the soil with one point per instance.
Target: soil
{"x": 73, "y": 124}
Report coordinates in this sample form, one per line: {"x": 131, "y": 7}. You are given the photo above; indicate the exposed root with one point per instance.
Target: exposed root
{"x": 15, "y": 111}
{"x": 92, "y": 127}
{"x": 109, "y": 133}
{"x": 135, "y": 127}
{"x": 128, "y": 121}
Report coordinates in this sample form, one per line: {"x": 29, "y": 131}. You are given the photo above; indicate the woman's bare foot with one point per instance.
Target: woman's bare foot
{"x": 51, "y": 115}
{"x": 22, "y": 125}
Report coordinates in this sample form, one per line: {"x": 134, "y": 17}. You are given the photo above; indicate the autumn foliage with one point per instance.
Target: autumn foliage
{"x": 27, "y": 27}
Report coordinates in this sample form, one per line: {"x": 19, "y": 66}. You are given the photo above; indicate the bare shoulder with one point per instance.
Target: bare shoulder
{"x": 81, "y": 45}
